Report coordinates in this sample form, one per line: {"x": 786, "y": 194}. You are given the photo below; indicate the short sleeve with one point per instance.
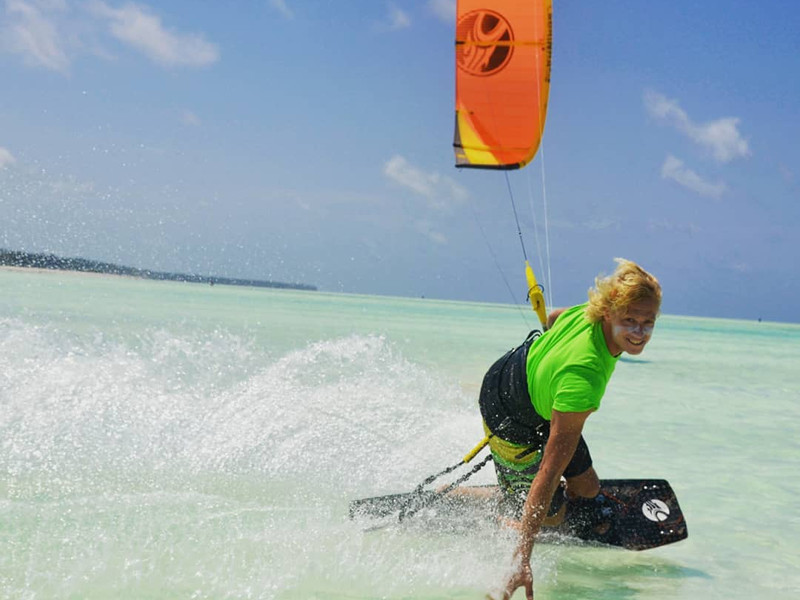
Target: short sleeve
{"x": 576, "y": 391}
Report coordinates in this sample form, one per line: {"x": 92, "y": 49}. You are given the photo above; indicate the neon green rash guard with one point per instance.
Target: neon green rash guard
{"x": 569, "y": 366}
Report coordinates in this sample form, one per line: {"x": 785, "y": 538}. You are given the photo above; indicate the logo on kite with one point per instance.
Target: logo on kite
{"x": 484, "y": 42}
{"x": 655, "y": 510}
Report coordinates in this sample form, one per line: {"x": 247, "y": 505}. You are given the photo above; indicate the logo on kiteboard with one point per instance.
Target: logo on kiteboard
{"x": 655, "y": 510}
{"x": 484, "y": 42}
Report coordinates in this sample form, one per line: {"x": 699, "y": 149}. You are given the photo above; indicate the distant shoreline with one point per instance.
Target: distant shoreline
{"x": 51, "y": 262}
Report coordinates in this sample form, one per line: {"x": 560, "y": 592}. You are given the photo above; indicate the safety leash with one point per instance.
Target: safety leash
{"x": 407, "y": 510}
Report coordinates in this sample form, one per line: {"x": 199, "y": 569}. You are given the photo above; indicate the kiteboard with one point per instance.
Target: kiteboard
{"x": 635, "y": 514}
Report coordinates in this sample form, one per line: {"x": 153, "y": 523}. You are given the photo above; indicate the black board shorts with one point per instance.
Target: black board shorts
{"x": 518, "y": 433}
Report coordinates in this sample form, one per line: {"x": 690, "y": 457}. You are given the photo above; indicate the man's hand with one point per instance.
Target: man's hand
{"x": 522, "y": 577}
{"x": 565, "y": 431}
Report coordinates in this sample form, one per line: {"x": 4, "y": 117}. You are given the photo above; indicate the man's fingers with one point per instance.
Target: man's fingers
{"x": 509, "y": 591}
{"x": 529, "y": 589}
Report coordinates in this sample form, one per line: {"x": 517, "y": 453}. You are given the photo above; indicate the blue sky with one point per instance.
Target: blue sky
{"x": 311, "y": 141}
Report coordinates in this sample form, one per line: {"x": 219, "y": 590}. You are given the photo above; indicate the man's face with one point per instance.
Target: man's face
{"x": 631, "y": 329}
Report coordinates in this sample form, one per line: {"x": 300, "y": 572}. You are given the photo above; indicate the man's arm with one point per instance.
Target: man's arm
{"x": 554, "y": 314}
{"x": 565, "y": 431}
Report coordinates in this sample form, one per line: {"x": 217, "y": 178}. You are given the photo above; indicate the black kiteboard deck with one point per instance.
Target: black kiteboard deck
{"x": 636, "y": 514}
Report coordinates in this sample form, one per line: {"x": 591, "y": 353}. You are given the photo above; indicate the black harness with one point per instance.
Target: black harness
{"x": 505, "y": 402}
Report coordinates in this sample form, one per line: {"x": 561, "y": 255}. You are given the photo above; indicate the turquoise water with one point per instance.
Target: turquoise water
{"x": 167, "y": 440}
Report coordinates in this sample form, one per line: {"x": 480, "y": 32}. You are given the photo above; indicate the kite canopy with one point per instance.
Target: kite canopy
{"x": 503, "y": 58}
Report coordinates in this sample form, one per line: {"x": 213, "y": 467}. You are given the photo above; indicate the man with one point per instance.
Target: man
{"x": 536, "y": 399}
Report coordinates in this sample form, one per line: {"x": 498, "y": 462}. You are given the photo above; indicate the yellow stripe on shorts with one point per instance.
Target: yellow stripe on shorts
{"x": 508, "y": 454}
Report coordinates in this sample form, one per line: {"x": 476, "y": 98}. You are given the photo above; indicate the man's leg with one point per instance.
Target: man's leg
{"x": 588, "y": 508}
{"x": 585, "y": 485}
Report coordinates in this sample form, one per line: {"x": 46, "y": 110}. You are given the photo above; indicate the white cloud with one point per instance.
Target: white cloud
{"x": 34, "y": 35}
{"x": 425, "y": 228}
{"x": 398, "y": 19}
{"x": 720, "y": 137}
{"x": 137, "y": 26}
{"x": 398, "y": 169}
{"x": 50, "y": 33}
{"x": 674, "y": 169}
{"x": 190, "y": 118}
{"x": 282, "y": 7}
{"x": 742, "y": 267}
{"x": 443, "y": 9}
{"x": 440, "y": 191}
{"x": 602, "y": 223}
{"x": 6, "y": 158}
{"x": 786, "y": 173}
{"x": 673, "y": 227}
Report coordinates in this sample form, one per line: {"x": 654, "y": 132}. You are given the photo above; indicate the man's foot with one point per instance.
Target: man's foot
{"x": 590, "y": 515}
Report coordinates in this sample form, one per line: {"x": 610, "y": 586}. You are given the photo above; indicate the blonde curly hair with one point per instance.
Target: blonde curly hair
{"x": 615, "y": 293}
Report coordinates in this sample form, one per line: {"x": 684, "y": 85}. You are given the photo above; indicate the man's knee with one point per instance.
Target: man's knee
{"x": 585, "y": 485}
